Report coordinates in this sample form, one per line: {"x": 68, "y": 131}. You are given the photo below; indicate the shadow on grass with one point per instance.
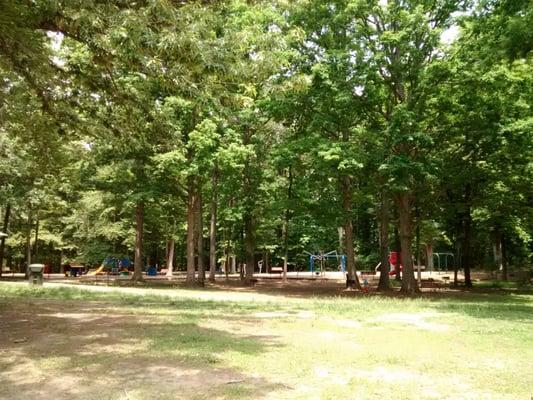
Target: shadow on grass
{"x": 85, "y": 352}
{"x": 163, "y": 299}
{"x": 503, "y": 305}
{"x": 510, "y": 305}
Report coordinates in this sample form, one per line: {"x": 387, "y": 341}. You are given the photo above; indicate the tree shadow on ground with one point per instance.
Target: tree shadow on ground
{"x": 85, "y": 354}
{"x": 478, "y": 303}
{"x": 501, "y": 305}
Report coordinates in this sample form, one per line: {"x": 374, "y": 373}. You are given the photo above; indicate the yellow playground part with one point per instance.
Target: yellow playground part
{"x": 96, "y": 271}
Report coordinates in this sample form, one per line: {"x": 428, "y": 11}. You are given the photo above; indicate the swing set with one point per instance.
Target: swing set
{"x": 322, "y": 258}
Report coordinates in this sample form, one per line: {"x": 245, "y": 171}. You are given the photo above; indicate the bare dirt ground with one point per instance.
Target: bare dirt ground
{"x": 169, "y": 346}
{"x": 53, "y": 349}
{"x": 95, "y": 351}
{"x": 302, "y": 285}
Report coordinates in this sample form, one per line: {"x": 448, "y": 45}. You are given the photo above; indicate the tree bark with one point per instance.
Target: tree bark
{"x": 398, "y": 250}
{"x": 213, "y": 229}
{"x": 226, "y": 251}
{"x": 249, "y": 246}
{"x": 409, "y": 284}
{"x": 505, "y": 260}
{"x": 249, "y": 219}
{"x": 285, "y": 248}
{"x": 429, "y": 256}
{"x": 36, "y": 242}
{"x": 417, "y": 247}
{"x": 467, "y": 245}
{"x": 191, "y": 200}
{"x": 200, "y": 238}
{"x": 7, "y": 214}
{"x": 233, "y": 266}
{"x": 346, "y": 187}
{"x": 459, "y": 251}
{"x": 286, "y": 227}
{"x": 28, "y": 244}
{"x": 383, "y": 215}
{"x": 138, "y": 259}
{"x": 61, "y": 266}
{"x": 170, "y": 258}
{"x": 497, "y": 250}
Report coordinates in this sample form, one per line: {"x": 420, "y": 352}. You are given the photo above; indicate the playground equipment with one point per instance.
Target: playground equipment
{"x": 393, "y": 263}
{"x": 115, "y": 265}
{"x": 322, "y": 257}
{"x": 98, "y": 271}
{"x": 445, "y": 257}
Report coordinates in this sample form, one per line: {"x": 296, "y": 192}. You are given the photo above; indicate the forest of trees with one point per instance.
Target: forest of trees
{"x": 208, "y": 133}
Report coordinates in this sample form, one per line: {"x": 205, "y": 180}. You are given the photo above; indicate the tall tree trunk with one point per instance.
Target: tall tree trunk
{"x": 249, "y": 246}
{"x": 467, "y": 246}
{"x": 398, "y": 250}
{"x": 417, "y": 247}
{"x": 200, "y": 238}
{"x": 505, "y": 260}
{"x": 233, "y": 266}
{"x": 459, "y": 251}
{"x": 61, "y": 265}
{"x": 213, "y": 229}
{"x": 3, "y": 239}
{"x": 249, "y": 219}
{"x": 170, "y": 258}
{"x": 285, "y": 230}
{"x": 138, "y": 259}
{"x": 28, "y": 244}
{"x": 383, "y": 215}
{"x": 497, "y": 249}
{"x": 227, "y": 260}
{"x": 429, "y": 256}
{"x": 346, "y": 189}
{"x": 191, "y": 200}
{"x": 409, "y": 284}
{"x": 286, "y": 227}
{"x": 340, "y": 230}
{"x": 36, "y": 242}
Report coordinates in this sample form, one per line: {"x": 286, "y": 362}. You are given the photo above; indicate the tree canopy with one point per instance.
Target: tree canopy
{"x": 269, "y": 129}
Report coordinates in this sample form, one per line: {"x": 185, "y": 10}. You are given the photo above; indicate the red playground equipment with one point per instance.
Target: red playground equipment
{"x": 393, "y": 262}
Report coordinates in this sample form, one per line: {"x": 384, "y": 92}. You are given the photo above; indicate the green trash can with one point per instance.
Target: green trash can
{"x": 36, "y": 274}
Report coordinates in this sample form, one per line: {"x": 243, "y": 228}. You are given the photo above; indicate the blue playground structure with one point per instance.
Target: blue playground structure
{"x": 324, "y": 256}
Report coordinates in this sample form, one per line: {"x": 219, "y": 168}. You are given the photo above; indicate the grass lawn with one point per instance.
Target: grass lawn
{"x": 70, "y": 343}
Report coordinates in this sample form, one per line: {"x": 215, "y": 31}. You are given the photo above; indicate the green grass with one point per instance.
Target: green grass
{"x": 499, "y": 284}
{"x": 469, "y": 346}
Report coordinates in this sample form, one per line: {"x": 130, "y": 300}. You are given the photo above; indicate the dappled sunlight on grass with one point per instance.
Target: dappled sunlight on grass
{"x": 463, "y": 347}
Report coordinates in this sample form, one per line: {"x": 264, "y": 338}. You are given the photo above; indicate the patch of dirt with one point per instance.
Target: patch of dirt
{"x": 279, "y": 314}
{"x": 415, "y": 319}
{"x": 73, "y": 350}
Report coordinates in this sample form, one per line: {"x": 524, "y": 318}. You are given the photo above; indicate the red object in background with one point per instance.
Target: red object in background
{"x": 47, "y": 269}
{"x": 393, "y": 261}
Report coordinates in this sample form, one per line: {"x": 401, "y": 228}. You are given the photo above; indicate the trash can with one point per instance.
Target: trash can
{"x": 36, "y": 274}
